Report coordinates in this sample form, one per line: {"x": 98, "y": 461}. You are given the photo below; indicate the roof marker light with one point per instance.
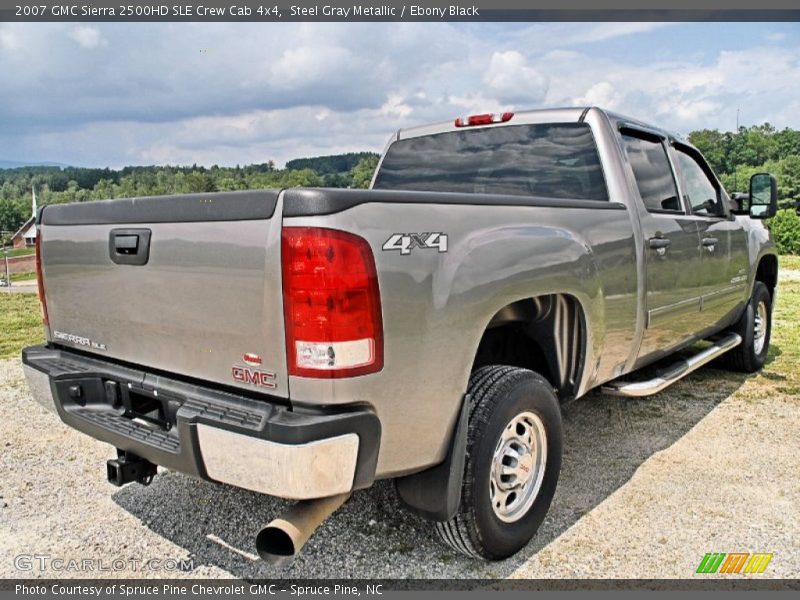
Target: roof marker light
{"x": 484, "y": 119}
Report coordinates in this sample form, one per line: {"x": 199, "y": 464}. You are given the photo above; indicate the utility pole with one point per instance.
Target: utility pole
{"x": 737, "y": 133}
{"x": 8, "y": 275}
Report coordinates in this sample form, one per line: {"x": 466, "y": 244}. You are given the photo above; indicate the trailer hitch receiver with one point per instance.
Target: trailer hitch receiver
{"x": 129, "y": 467}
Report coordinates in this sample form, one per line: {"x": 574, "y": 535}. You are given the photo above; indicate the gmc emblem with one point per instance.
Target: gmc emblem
{"x": 254, "y": 376}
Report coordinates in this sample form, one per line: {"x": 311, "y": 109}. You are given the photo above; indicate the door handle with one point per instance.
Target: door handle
{"x": 659, "y": 244}
{"x": 126, "y": 244}
{"x": 129, "y": 246}
{"x": 709, "y": 243}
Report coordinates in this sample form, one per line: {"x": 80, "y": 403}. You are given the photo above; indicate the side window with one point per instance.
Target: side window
{"x": 653, "y": 174}
{"x": 702, "y": 195}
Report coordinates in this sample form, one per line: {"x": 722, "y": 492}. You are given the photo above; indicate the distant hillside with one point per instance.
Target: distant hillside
{"x": 57, "y": 184}
{"x": 327, "y": 165}
{"x": 15, "y": 164}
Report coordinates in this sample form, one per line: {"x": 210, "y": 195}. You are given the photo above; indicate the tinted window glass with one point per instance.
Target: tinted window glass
{"x": 552, "y": 160}
{"x": 702, "y": 194}
{"x": 653, "y": 175}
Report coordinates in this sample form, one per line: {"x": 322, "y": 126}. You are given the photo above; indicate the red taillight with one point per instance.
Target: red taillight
{"x": 40, "y": 278}
{"x": 331, "y": 304}
{"x": 485, "y": 119}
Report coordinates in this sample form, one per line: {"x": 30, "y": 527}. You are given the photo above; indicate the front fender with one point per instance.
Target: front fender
{"x": 759, "y": 245}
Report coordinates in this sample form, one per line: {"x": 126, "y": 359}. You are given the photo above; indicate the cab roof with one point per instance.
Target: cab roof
{"x": 542, "y": 115}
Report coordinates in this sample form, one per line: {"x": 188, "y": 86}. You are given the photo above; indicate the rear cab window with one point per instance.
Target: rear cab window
{"x": 651, "y": 168}
{"x": 553, "y": 160}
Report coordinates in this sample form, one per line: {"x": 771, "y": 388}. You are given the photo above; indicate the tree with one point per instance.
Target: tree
{"x": 739, "y": 180}
{"x": 759, "y": 144}
{"x": 362, "y": 173}
{"x": 103, "y": 190}
{"x": 337, "y": 180}
{"x": 714, "y": 146}
{"x": 227, "y": 184}
{"x": 11, "y": 215}
{"x": 326, "y": 165}
{"x": 301, "y": 178}
{"x": 785, "y": 228}
{"x": 787, "y": 172}
{"x": 198, "y": 181}
{"x": 787, "y": 142}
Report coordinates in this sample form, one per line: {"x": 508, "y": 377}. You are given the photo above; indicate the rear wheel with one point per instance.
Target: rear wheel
{"x": 755, "y": 328}
{"x": 513, "y": 460}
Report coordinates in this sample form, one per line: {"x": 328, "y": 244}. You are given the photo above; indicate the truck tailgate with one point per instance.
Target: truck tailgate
{"x": 186, "y": 284}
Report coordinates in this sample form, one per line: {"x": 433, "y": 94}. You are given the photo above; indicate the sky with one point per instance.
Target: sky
{"x": 97, "y": 95}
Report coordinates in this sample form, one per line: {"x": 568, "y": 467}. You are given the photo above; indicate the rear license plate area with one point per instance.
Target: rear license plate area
{"x": 148, "y": 407}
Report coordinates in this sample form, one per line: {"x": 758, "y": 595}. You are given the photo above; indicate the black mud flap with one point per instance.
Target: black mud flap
{"x": 436, "y": 492}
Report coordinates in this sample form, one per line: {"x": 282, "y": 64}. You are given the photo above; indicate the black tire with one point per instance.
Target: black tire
{"x": 499, "y": 394}
{"x": 744, "y": 358}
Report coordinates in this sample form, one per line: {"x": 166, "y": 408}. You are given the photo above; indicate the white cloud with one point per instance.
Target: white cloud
{"x": 239, "y": 93}
{"x": 87, "y": 36}
{"x": 301, "y": 66}
{"x": 395, "y": 106}
{"x": 511, "y": 78}
{"x": 474, "y": 103}
{"x": 9, "y": 40}
{"x": 601, "y": 32}
{"x": 691, "y": 111}
{"x": 682, "y": 95}
{"x": 600, "y": 94}
{"x": 546, "y": 36}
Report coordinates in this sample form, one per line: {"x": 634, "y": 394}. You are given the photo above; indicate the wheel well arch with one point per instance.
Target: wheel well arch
{"x": 767, "y": 272}
{"x": 546, "y": 334}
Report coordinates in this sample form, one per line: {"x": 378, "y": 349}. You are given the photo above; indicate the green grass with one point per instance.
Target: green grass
{"x": 781, "y": 372}
{"x": 789, "y": 262}
{"x": 23, "y": 277}
{"x": 20, "y": 252}
{"x": 20, "y": 323}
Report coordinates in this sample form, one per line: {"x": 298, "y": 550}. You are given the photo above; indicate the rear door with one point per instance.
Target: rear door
{"x": 722, "y": 277}
{"x": 672, "y": 245}
{"x": 187, "y": 284}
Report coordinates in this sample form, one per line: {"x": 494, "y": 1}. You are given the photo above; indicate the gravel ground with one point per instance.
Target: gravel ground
{"x": 21, "y": 287}
{"x": 647, "y": 488}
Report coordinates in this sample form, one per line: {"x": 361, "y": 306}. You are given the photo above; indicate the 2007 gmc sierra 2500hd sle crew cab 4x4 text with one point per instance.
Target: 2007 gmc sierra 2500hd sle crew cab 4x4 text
{"x": 303, "y": 343}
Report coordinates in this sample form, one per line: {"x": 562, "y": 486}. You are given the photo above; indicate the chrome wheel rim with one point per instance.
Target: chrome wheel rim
{"x": 518, "y": 467}
{"x": 760, "y": 327}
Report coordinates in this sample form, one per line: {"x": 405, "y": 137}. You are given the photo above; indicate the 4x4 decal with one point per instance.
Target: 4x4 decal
{"x": 406, "y": 242}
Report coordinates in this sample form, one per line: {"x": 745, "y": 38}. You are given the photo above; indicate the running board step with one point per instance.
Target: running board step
{"x": 670, "y": 375}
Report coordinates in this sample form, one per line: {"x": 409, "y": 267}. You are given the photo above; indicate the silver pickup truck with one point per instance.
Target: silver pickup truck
{"x": 303, "y": 343}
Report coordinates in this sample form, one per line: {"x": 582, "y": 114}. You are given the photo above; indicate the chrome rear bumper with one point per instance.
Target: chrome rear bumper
{"x": 39, "y": 385}
{"x": 312, "y": 470}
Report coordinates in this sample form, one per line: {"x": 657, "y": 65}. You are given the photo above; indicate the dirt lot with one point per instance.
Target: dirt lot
{"x": 647, "y": 488}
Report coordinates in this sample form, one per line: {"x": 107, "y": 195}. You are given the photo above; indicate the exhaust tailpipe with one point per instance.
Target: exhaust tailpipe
{"x": 280, "y": 541}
